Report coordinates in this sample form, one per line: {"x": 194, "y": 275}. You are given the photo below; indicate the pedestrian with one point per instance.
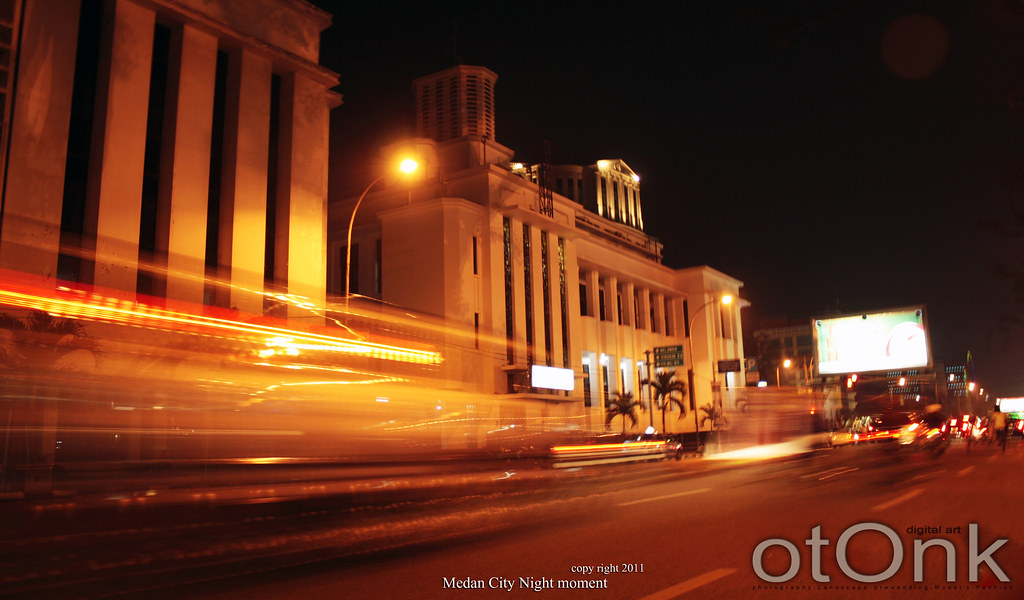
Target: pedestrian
{"x": 998, "y": 424}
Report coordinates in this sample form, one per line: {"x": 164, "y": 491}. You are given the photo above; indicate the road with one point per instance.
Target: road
{"x": 669, "y": 530}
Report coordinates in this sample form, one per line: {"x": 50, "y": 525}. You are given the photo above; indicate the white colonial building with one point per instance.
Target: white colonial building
{"x": 530, "y": 266}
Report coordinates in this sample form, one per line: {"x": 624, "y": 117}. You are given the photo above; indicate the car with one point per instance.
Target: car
{"x": 882, "y": 426}
{"x": 619, "y": 448}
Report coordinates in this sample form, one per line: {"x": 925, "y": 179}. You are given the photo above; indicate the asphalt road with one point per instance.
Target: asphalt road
{"x": 673, "y": 530}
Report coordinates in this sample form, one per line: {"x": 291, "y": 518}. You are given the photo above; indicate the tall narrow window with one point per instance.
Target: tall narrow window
{"x": 583, "y": 300}
{"x": 586, "y": 385}
{"x": 601, "y": 308}
{"x": 528, "y": 291}
{"x": 546, "y": 282}
{"x": 476, "y": 330}
{"x": 615, "y": 200}
{"x": 144, "y": 280}
{"x": 378, "y": 271}
{"x": 509, "y": 321}
{"x": 213, "y": 194}
{"x": 70, "y": 265}
{"x": 270, "y": 255}
{"x": 476, "y": 269}
{"x": 353, "y": 283}
{"x": 604, "y": 198}
{"x": 686, "y": 318}
{"x": 564, "y": 296}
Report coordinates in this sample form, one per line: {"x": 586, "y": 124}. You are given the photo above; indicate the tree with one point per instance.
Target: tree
{"x": 40, "y": 343}
{"x": 668, "y": 391}
{"x": 622, "y": 405}
{"x": 713, "y": 413}
{"x": 34, "y": 350}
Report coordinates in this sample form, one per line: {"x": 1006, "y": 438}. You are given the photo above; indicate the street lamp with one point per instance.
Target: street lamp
{"x": 786, "y": 364}
{"x": 726, "y": 299}
{"x": 407, "y": 166}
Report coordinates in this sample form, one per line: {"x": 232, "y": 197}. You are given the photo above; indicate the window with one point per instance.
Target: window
{"x": 509, "y": 304}
{"x": 528, "y": 292}
{"x": 475, "y": 262}
{"x": 583, "y": 301}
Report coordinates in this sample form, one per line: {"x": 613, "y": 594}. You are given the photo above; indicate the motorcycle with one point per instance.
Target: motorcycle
{"x": 926, "y": 436}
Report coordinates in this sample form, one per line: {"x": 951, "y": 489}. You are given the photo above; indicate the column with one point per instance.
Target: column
{"x": 114, "y": 196}
{"x": 185, "y": 163}
{"x": 301, "y": 236}
{"x": 243, "y": 215}
{"x": 30, "y": 237}
{"x": 592, "y": 281}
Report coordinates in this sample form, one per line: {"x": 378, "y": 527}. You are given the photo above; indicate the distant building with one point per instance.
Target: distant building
{"x": 543, "y": 266}
{"x": 793, "y": 341}
{"x": 149, "y": 146}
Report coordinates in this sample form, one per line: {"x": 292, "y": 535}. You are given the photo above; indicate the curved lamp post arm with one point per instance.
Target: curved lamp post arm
{"x": 348, "y": 243}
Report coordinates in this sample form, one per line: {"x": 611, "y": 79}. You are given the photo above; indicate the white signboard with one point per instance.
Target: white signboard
{"x": 879, "y": 341}
{"x": 552, "y": 378}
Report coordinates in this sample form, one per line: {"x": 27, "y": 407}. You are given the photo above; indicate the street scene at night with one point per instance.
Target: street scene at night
{"x": 317, "y": 299}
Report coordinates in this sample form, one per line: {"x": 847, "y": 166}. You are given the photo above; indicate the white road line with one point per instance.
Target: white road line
{"x": 686, "y": 493}
{"x": 897, "y": 500}
{"x": 690, "y": 584}
{"x": 838, "y": 474}
{"x": 964, "y": 471}
{"x": 832, "y": 470}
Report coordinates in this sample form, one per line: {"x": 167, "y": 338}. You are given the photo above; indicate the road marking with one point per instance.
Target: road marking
{"x": 838, "y": 474}
{"x": 686, "y": 493}
{"x": 895, "y": 501}
{"x": 964, "y": 471}
{"x": 690, "y": 584}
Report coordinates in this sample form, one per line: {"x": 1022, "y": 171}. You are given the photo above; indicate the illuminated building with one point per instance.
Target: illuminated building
{"x": 542, "y": 265}
{"x": 152, "y": 145}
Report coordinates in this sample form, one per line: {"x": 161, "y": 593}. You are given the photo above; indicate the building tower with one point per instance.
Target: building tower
{"x": 455, "y": 103}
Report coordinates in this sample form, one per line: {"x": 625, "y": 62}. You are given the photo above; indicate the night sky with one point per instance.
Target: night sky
{"x": 846, "y": 155}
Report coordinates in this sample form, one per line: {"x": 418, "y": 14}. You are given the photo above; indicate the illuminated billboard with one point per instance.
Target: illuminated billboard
{"x": 1011, "y": 405}
{"x": 552, "y": 378}
{"x": 884, "y": 340}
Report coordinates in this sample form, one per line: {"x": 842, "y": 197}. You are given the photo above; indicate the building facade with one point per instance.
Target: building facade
{"x": 532, "y": 267}
{"x": 152, "y": 146}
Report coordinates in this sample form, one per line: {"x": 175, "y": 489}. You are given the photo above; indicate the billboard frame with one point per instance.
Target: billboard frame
{"x": 915, "y": 308}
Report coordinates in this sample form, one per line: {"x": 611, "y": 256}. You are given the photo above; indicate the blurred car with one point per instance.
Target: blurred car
{"x": 927, "y": 433}
{"x": 618, "y": 448}
{"x": 884, "y": 426}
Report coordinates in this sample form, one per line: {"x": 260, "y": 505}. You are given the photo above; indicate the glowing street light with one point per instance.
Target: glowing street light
{"x": 407, "y": 166}
{"x": 785, "y": 364}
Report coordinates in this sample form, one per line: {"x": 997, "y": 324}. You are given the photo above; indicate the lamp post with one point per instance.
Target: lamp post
{"x": 726, "y": 299}
{"x": 786, "y": 363}
{"x": 407, "y": 166}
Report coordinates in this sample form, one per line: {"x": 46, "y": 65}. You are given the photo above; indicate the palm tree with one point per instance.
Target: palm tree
{"x": 40, "y": 343}
{"x": 714, "y": 414}
{"x": 33, "y": 350}
{"x": 668, "y": 391}
{"x": 622, "y": 405}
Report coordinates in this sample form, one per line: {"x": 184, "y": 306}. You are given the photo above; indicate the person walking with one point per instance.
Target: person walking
{"x": 998, "y": 424}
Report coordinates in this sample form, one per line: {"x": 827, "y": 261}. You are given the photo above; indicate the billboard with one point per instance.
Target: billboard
{"x": 552, "y": 378}
{"x": 885, "y": 340}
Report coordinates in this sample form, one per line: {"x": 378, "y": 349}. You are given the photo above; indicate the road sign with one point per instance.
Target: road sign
{"x": 668, "y": 356}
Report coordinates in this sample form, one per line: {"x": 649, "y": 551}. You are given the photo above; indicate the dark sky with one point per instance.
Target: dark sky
{"x": 831, "y": 154}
